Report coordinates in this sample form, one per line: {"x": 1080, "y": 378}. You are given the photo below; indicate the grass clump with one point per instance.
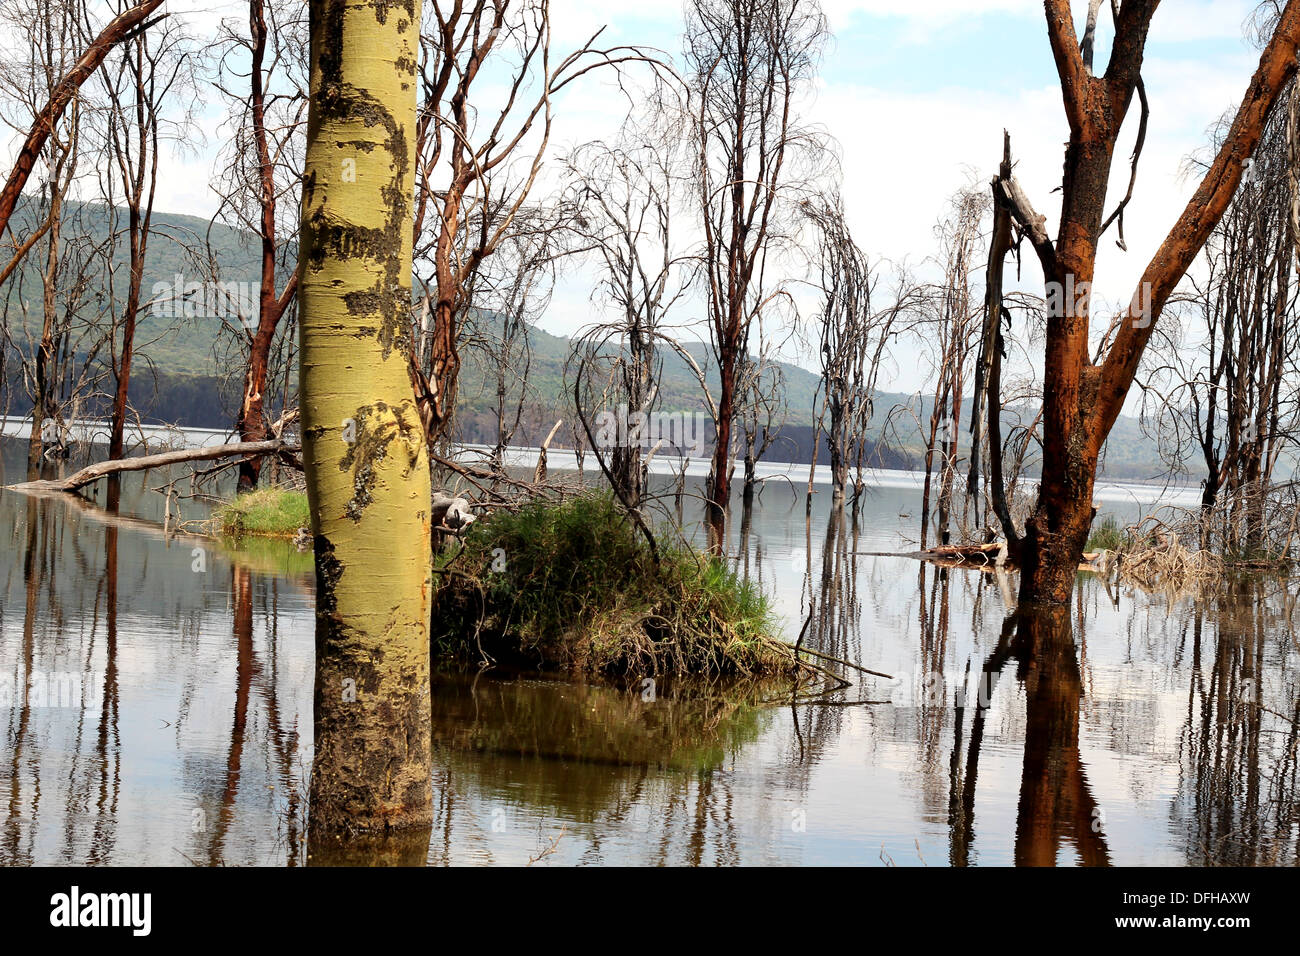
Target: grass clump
{"x": 1106, "y": 535}
{"x": 573, "y": 586}
{"x": 271, "y": 511}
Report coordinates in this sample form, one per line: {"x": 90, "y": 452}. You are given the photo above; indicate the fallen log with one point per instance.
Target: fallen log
{"x": 972, "y": 555}
{"x": 967, "y": 550}
{"x": 984, "y": 557}
{"x": 102, "y": 469}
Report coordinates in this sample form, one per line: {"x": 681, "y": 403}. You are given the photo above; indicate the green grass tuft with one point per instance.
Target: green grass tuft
{"x": 277, "y": 512}
{"x": 1106, "y": 535}
{"x": 573, "y": 586}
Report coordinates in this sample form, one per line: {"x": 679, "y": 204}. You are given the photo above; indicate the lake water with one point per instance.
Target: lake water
{"x": 167, "y": 714}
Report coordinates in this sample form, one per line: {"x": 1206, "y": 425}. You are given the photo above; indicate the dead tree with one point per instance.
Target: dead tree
{"x": 487, "y": 82}
{"x": 1226, "y": 394}
{"x": 854, "y": 339}
{"x": 1083, "y": 394}
{"x": 747, "y": 63}
{"x": 62, "y": 89}
{"x": 57, "y": 355}
{"x": 624, "y": 195}
{"x": 845, "y": 283}
{"x": 55, "y": 324}
{"x": 761, "y": 409}
{"x": 952, "y": 331}
{"x": 512, "y": 291}
{"x": 139, "y": 82}
{"x": 261, "y": 74}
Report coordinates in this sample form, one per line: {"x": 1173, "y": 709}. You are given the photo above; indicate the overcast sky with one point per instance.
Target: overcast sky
{"x": 917, "y": 93}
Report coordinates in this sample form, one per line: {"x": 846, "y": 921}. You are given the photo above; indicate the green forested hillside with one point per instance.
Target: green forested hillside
{"x": 185, "y": 379}
{"x": 178, "y": 248}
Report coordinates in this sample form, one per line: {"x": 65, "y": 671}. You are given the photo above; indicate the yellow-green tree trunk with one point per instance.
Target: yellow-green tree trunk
{"x": 363, "y": 444}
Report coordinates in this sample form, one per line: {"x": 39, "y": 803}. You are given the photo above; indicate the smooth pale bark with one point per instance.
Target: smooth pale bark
{"x": 363, "y": 444}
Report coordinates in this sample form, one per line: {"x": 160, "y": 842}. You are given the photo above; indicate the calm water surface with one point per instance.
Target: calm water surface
{"x": 167, "y": 718}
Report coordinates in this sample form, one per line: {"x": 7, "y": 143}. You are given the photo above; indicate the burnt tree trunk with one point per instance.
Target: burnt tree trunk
{"x": 1082, "y": 398}
{"x": 251, "y": 421}
{"x": 719, "y": 484}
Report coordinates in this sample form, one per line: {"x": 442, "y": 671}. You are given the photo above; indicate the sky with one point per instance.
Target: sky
{"x": 916, "y": 95}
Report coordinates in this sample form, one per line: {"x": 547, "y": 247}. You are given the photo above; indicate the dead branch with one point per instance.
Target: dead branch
{"x": 94, "y": 472}
{"x": 117, "y": 30}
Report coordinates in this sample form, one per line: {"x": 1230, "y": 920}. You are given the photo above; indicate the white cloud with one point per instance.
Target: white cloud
{"x": 842, "y": 12}
{"x": 1189, "y": 20}
{"x": 907, "y": 147}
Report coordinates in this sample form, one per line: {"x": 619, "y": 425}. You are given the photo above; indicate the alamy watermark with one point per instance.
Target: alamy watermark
{"x": 975, "y": 689}
{"x": 944, "y": 688}
{"x": 685, "y": 432}
{"x": 74, "y": 909}
{"x": 179, "y": 299}
{"x": 42, "y": 689}
{"x": 1070, "y": 299}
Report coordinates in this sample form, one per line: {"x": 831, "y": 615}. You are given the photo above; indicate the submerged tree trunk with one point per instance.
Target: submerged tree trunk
{"x": 838, "y": 445}
{"x": 44, "y": 403}
{"x": 930, "y": 446}
{"x": 1082, "y": 397}
{"x": 1057, "y": 531}
{"x": 718, "y": 487}
{"x": 363, "y": 445}
{"x": 751, "y": 475}
{"x": 138, "y": 230}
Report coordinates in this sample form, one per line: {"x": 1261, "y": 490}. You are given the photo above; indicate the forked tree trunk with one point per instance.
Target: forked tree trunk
{"x": 363, "y": 445}
{"x": 251, "y": 421}
{"x": 1082, "y": 398}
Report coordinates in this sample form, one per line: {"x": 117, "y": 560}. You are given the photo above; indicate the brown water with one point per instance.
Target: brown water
{"x": 167, "y": 717}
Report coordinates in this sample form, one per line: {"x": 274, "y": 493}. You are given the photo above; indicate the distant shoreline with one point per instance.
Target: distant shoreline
{"x": 95, "y": 431}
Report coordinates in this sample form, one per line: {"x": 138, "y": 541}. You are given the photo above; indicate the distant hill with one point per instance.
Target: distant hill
{"x": 178, "y": 345}
{"x": 186, "y": 386}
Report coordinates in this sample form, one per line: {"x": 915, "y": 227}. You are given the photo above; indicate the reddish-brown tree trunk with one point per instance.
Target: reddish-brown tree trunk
{"x": 719, "y": 486}
{"x": 251, "y": 421}
{"x": 130, "y": 311}
{"x": 116, "y": 30}
{"x": 1081, "y": 400}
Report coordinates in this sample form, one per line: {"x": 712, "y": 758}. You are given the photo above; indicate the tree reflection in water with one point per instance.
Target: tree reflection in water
{"x": 1131, "y": 728}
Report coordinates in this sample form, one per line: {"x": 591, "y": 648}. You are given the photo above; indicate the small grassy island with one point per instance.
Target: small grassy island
{"x": 574, "y": 586}
{"x": 272, "y": 511}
